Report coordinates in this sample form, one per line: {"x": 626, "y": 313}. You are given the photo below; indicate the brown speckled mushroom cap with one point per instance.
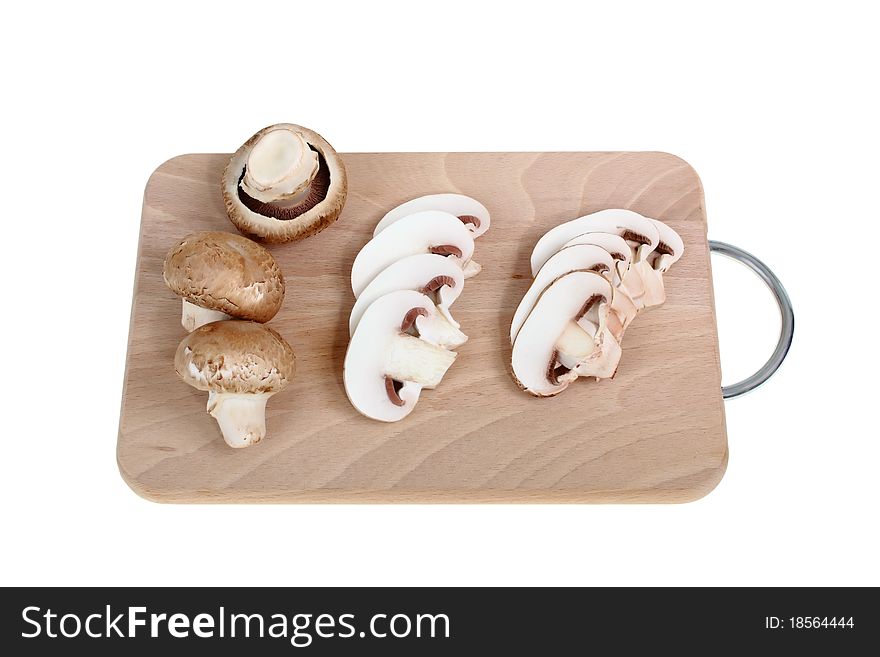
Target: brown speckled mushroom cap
{"x": 275, "y": 222}
{"x": 227, "y": 273}
{"x": 235, "y": 357}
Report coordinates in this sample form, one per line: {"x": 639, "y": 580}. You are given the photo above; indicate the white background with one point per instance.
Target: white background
{"x": 774, "y": 104}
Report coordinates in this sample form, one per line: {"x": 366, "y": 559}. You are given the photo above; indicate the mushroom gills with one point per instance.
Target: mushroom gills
{"x": 284, "y": 184}
{"x": 287, "y": 208}
{"x": 241, "y": 416}
{"x": 195, "y": 316}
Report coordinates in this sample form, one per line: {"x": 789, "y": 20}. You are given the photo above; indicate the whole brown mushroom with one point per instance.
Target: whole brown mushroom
{"x": 240, "y": 365}
{"x": 221, "y": 276}
{"x": 284, "y": 184}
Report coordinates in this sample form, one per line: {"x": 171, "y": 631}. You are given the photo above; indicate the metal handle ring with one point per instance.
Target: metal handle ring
{"x": 785, "y": 310}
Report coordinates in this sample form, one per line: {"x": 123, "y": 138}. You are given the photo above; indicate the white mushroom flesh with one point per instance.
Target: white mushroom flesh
{"x": 412, "y": 359}
{"x": 614, "y": 244}
{"x": 575, "y": 344}
{"x": 424, "y": 232}
{"x": 385, "y": 366}
{"x": 567, "y": 259}
{"x": 558, "y": 326}
{"x": 241, "y": 416}
{"x": 624, "y": 223}
{"x": 279, "y": 166}
{"x": 469, "y": 211}
{"x": 435, "y": 275}
{"x": 195, "y": 316}
{"x": 471, "y": 268}
{"x": 667, "y": 253}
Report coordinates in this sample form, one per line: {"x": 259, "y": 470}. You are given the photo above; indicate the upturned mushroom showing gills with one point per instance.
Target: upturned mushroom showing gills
{"x": 392, "y": 356}
{"x": 566, "y": 336}
{"x": 431, "y": 231}
{"x": 240, "y": 365}
{"x": 437, "y": 276}
{"x": 221, "y": 276}
{"x": 284, "y": 184}
{"x": 469, "y": 211}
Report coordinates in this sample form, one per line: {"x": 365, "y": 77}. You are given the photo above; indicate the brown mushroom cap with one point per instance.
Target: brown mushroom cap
{"x": 226, "y": 272}
{"x": 235, "y": 357}
{"x": 279, "y": 222}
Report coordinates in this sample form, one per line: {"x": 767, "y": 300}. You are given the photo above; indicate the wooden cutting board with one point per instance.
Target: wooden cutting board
{"x": 656, "y": 433}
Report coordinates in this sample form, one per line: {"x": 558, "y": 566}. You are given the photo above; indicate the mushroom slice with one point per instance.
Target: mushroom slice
{"x": 241, "y": 365}
{"x": 469, "y": 211}
{"x": 584, "y": 257}
{"x": 284, "y": 184}
{"x": 638, "y": 231}
{"x": 614, "y": 244}
{"x": 566, "y": 336}
{"x": 431, "y": 231}
{"x": 625, "y": 309}
{"x": 437, "y": 276}
{"x": 223, "y": 275}
{"x": 668, "y": 251}
{"x": 386, "y": 366}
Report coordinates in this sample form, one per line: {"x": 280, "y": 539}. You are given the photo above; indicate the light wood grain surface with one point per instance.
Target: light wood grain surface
{"x": 656, "y": 433}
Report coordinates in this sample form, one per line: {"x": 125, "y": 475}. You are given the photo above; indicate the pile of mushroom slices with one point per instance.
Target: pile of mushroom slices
{"x": 405, "y": 279}
{"x": 592, "y": 276}
{"x": 230, "y": 286}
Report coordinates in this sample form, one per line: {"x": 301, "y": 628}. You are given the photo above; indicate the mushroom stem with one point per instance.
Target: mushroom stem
{"x": 280, "y": 165}
{"x": 241, "y": 416}
{"x": 623, "y": 312}
{"x": 195, "y": 316}
{"x": 413, "y": 359}
{"x": 655, "y": 294}
{"x": 588, "y": 355}
{"x": 575, "y": 344}
{"x": 441, "y": 330}
{"x": 471, "y": 268}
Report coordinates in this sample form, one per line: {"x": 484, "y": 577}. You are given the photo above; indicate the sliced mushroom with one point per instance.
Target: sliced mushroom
{"x": 469, "y": 211}
{"x": 566, "y": 336}
{"x": 241, "y": 365}
{"x": 669, "y": 249}
{"x": 437, "y": 276}
{"x": 284, "y": 184}
{"x": 431, "y": 231}
{"x": 625, "y": 309}
{"x": 578, "y": 257}
{"x": 614, "y": 244}
{"x": 386, "y": 366}
{"x": 222, "y": 275}
{"x": 638, "y": 231}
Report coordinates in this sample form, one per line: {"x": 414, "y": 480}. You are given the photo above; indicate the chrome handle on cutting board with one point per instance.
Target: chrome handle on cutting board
{"x": 785, "y": 310}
